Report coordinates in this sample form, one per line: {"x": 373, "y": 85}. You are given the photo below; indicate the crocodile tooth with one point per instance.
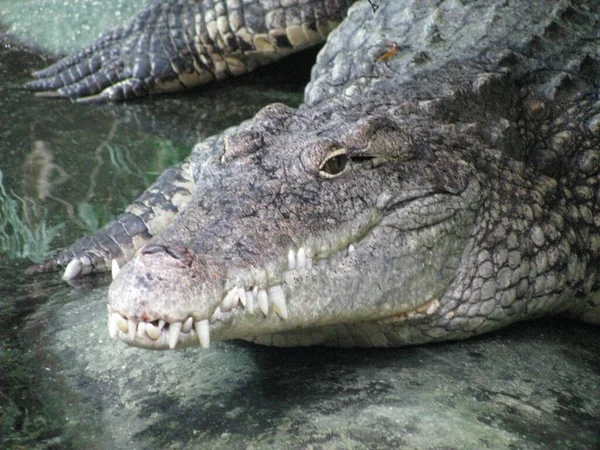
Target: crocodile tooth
{"x": 173, "y": 337}
{"x": 123, "y": 324}
{"x": 152, "y": 331}
{"x": 432, "y": 307}
{"x": 277, "y": 297}
{"x": 291, "y": 260}
{"x": 263, "y": 301}
{"x": 254, "y": 296}
{"x": 187, "y": 325}
{"x": 351, "y": 249}
{"x": 161, "y": 324}
{"x": 242, "y": 296}
{"x": 114, "y": 268}
{"x": 301, "y": 258}
{"x": 141, "y": 328}
{"x": 86, "y": 265}
{"x": 250, "y": 302}
{"x": 113, "y": 325}
{"x": 203, "y": 331}
{"x": 230, "y": 300}
{"x": 216, "y": 314}
{"x": 73, "y": 269}
{"x": 131, "y": 325}
{"x": 110, "y": 308}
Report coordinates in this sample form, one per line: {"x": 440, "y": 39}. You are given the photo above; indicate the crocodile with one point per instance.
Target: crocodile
{"x": 177, "y": 44}
{"x": 440, "y": 181}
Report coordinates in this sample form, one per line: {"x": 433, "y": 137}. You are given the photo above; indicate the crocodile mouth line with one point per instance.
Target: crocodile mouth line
{"x": 246, "y": 294}
{"x": 253, "y": 299}
{"x": 254, "y": 293}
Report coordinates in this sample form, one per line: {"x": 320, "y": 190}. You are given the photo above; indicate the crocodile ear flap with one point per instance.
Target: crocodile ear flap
{"x": 242, "y": 143}
{"x": 451, "y": 175}
{"x": 271, "y": 121}
{"x": 381, "y": 137}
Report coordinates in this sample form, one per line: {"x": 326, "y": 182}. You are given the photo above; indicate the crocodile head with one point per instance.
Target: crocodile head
{"x": 303, "y": 234}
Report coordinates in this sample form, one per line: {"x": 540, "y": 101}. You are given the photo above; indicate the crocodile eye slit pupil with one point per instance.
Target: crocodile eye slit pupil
{"x": 334, "y": 165}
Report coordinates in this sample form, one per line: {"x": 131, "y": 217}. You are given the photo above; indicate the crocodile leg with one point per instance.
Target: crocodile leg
{"x": 175, "y": 44}
{"x": 149, "y": 215}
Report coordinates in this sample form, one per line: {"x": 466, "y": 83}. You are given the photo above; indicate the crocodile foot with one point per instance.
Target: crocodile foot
{"x": 133, "y": 60}
{"x": 109, "y": 249}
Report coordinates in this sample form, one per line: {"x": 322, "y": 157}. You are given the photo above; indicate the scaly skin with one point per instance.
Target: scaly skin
{"x": 176, "y": 44}
{"x": 441, "y": 192}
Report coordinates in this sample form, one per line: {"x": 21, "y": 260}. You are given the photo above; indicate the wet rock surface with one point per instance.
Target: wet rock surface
{"x": 531, "y": 386}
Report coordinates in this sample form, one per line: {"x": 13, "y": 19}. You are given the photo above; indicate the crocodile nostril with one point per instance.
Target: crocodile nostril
{"x": 171, "y": 255}
{"x": 179, "y": 252}
{"x": 153, "y": 249}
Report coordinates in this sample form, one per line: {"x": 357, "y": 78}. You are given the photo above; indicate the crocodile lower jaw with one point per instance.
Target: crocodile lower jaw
{"x": 161, "y": 335}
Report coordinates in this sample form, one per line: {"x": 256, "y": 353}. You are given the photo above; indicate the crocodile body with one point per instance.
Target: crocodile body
{"x": 435, "y": 188}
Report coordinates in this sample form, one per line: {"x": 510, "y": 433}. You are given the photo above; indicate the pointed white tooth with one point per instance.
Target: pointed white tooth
{"x": 110, "y": 308}
{"x": 230, "y": 300}
{"x": 203, "y": 331}
{"x": 250, "y": 302}
{"x": 277, "y": 297}
{"x": 432, "y": 307}
{"x": 255, "y": 296}
{"x": 263, "y": 301}
{"x": 291, "y": 260}
{"x": 301, "y": 258}
{"x": 216, "y": 314}
{"x": 351, "y": 249}
{"x": 113, "y": 324}
{"x": 141, "y": 328}
{"x": 86, "y": 265}
{"x": 114, "y": 268}
{"x": 173, "y": 337}
{"x": 161, "y": 324}
{"x": 73, "y": 269}
{"x": 187, "y": 325}
{"x": 152, "y": 331}
{"x": 123, "y": 324}
{"x": 131, "y": 325}
{"x": 242, "y": 296}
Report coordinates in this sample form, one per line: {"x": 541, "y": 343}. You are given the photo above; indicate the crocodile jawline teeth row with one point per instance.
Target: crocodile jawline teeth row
{"x": 239, "y": 299}
{"x": 157, "y": 329}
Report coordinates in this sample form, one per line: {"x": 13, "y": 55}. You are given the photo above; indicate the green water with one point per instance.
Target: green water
{"x": 64, "y": 26}
{"x": 67, "y": 169}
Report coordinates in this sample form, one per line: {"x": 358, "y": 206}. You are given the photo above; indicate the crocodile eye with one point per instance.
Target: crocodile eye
{"x": 335, "y": 163}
